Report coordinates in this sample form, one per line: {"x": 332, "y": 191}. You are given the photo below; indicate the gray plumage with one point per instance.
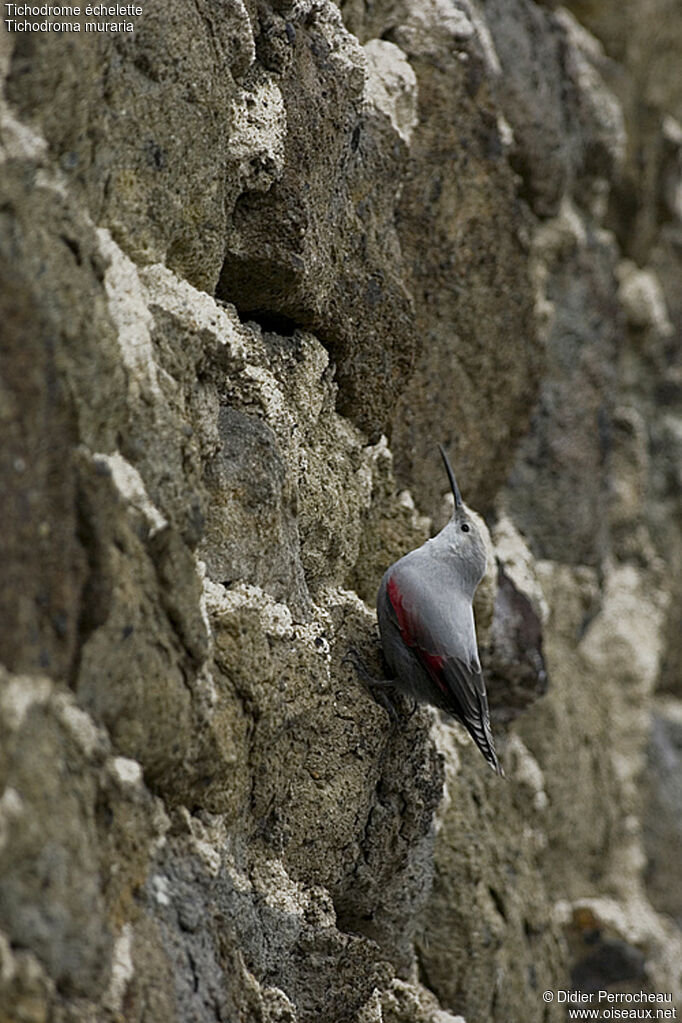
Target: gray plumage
{"x": 426, "y": 621}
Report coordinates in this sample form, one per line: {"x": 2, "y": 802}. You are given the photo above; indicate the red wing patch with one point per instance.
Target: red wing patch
{"x": 396, "y": 599}
{"x": 432, "y": 662}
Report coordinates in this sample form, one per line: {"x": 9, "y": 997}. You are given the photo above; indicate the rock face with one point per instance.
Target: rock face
{"x": 257, "y": 258}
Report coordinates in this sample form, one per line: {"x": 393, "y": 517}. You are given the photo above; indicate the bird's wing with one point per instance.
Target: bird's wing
{"x": 456, "y": 673}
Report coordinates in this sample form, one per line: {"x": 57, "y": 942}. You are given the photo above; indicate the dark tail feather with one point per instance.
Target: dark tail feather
{"x": 487, "y": 747}
{"x": 483, "y": 737}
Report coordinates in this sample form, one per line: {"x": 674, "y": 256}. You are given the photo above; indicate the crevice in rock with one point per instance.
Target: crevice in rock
{"x": 271, "y": 322}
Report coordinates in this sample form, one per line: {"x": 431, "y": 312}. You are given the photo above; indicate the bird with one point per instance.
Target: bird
{"x": 426, "y": 623}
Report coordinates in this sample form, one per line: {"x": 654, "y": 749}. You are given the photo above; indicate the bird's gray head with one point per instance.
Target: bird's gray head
{"x": 461, "y": 537}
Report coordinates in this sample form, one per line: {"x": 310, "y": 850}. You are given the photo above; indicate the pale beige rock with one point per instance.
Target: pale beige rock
{"x": 392, "y": 85}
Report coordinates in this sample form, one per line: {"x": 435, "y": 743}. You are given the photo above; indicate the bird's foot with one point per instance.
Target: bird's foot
{"x": 375, "y": 685}
{"x": 415, "y": 704}
{"x": 355, "y": 658}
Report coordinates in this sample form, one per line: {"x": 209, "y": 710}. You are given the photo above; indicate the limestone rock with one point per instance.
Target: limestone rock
{"x": 661, "y": 814}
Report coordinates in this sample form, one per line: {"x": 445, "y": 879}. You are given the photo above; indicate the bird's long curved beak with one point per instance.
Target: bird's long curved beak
{"x": 451, "y": 477}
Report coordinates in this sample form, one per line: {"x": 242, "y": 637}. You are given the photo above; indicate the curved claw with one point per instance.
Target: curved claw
{"x": 354, "y": 657}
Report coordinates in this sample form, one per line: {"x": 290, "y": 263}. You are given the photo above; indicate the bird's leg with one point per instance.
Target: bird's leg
{"x": 373, "y": 684}
{"x": 355, "y": 658}
{"x": 414, "y": 710}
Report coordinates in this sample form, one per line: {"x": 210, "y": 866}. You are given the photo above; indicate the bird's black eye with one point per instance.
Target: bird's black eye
{"x": 465, "y": 527}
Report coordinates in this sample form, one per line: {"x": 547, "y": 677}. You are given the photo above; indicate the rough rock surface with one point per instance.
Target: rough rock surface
{"x": 255, "y": 260}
